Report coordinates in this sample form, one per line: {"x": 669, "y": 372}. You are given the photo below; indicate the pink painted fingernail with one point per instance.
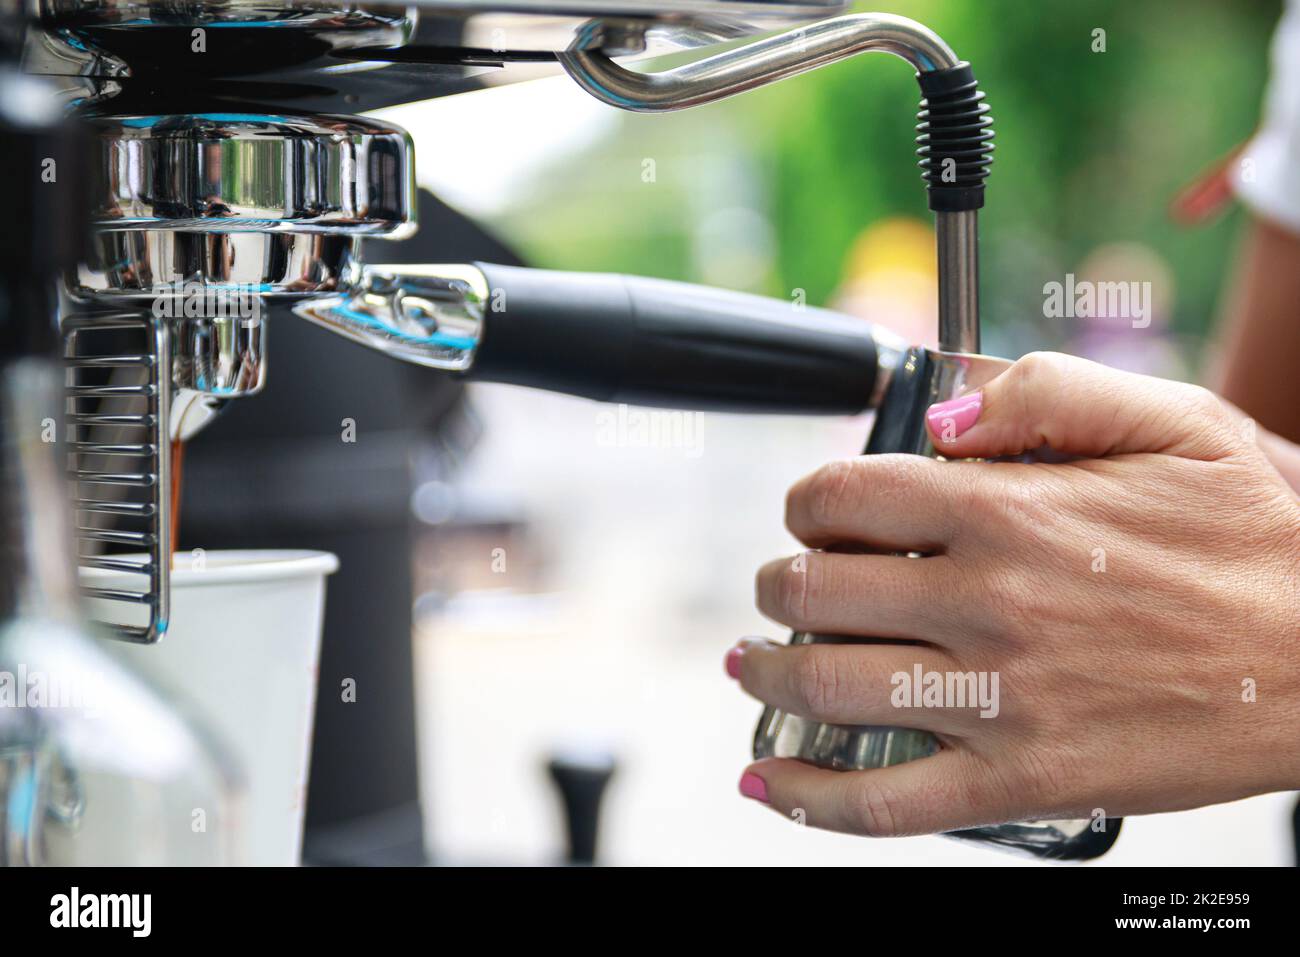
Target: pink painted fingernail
{"x": 948, "y": 420}
{"x": 732, "y": 661}
{"x": 752, "y": 786}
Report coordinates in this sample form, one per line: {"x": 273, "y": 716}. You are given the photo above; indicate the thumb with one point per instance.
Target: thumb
{"x": 1077, "y": 407}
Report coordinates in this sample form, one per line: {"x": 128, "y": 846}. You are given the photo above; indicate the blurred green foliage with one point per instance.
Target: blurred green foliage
{"x": 1091, "y": 147}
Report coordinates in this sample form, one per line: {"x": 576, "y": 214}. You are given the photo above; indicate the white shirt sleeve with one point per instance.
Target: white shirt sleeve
{"x": 1267, "y": 176}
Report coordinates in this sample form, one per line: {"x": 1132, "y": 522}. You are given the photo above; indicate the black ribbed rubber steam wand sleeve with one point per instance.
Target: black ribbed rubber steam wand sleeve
{"x": 954, "y": 138}
{"x": 670, "y": 344}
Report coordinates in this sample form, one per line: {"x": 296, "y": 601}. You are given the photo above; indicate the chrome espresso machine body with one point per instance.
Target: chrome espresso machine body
{"x": 230, "y": 179}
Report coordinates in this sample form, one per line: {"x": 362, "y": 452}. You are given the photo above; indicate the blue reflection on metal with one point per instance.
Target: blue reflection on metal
{"x": 436, "y": 339}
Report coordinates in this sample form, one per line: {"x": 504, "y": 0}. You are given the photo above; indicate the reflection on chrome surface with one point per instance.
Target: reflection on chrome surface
{"x": 221, "y": 171}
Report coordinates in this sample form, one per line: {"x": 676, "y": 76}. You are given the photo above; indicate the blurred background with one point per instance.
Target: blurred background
{"x": 583, "y": 569}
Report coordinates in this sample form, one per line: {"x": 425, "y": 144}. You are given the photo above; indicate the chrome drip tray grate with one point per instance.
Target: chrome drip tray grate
{"x": 119, "y": 462}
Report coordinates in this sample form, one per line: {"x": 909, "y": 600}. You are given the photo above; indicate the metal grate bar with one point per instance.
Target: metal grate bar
{"x": 140, "y": 635}
{"x": 142, "y": 539}
{"x": 129, "y": 565}
{"x": 110, "y": 391}
{"x": 91, "y": 418}
{"x": 142, "y": 509}
{"x": 101, "y": 448}
{"x": 138, "y": 479}
{"x": 118, "y": 594}
{"x": 118, "y": 406}
{"x": 108, "y": 362}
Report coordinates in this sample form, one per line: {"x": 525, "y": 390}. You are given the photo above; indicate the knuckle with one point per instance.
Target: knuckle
{"x": 1037, "y": 373}
{"x": 791, "y": 593}
{"x": 877, "y": 810}
{"x": 1011, "y": 601}
{"x": 1197, "y": 415}
{"x": 1205, "y": 405}
{"x": 1032, "y": 368}
{"x": 826, "y": 493}
{"x": 1026, "y": 503}
{"x": 1036, "y": 365}
{"x": 899, "y": 474}
{"x": 814, "y": 682}
{"x": 989, "y": 502}
{"x": 1202, "y": 399}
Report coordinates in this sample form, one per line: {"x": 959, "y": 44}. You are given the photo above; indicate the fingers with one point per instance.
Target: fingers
{"x": 851, "y": 684}
{"x": 1081, "y": 408}
{"x": 891, "y": 502}
{"x": 945, "y": 791}
{"x": 875, "y": 596}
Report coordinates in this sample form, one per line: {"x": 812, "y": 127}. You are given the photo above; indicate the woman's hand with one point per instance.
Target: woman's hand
{"x": 1139, "y": 604}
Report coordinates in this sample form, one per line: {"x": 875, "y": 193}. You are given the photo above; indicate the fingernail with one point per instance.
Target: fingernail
{"x": 732, "y": 661}
{"x": 752, "y": 786}
{"x": 948, "y": 420}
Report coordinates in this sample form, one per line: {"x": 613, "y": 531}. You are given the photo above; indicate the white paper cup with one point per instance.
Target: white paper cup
{"x": 243, "y": 648}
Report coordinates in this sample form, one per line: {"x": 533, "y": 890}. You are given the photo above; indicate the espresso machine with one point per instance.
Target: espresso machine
{"x": 230, "y": 181}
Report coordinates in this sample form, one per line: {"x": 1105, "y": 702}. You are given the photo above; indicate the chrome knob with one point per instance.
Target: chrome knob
{"x": 254, "y": 173}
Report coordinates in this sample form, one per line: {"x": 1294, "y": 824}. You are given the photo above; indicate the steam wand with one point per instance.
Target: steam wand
{"x": 954, "y": 132}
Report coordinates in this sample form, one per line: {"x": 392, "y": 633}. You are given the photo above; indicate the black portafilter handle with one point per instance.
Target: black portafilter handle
{"x": 581, "y": 781}
{"x": 653, "y": 342}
